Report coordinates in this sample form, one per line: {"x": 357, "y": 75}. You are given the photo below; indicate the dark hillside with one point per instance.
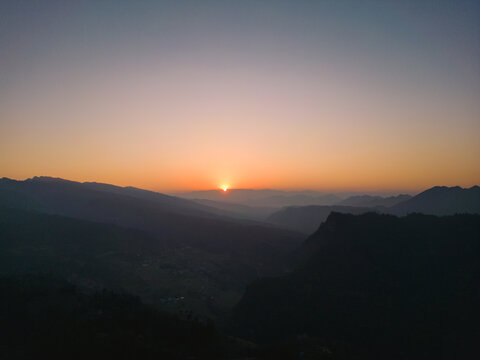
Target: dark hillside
{"x": 96, "y": 256}
{"x": 45, "y": 317}
{"x": 390, "y": 287}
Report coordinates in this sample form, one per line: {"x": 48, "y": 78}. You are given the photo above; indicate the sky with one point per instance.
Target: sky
{"x": 190, "y": 95}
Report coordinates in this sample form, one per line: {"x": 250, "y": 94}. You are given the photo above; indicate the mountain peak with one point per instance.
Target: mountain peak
{"x": 442, "y": 200}
{"x": 48, "y": 179}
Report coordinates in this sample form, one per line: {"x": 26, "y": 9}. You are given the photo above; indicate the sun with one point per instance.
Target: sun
{"x": 224, "y": 188}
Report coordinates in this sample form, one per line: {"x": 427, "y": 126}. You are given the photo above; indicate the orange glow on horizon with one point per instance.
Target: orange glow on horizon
{"x": 205, "y": 105}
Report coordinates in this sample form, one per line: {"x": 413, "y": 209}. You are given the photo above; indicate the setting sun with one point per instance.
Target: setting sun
{"x": 224, "y": 187}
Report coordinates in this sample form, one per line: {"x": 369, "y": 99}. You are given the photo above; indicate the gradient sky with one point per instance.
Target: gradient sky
{"x": 183, "y": 95}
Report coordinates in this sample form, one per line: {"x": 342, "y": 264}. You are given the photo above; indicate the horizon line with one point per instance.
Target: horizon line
{"x": 286, "y": 190}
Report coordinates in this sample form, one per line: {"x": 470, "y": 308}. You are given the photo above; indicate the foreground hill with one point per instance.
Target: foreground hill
{"x": 388, "y": 287}
{"x": 306, "y": 219}
{"x": 442, "y": 200}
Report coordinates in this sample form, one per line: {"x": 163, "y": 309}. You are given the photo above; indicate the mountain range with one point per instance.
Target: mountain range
{"x": 187, "y": 248}
{"x": 369, "y": 282}
{"x": 265, "y": 197}
{"x": 441, "y": 200}
{"x": 434, "y": 201}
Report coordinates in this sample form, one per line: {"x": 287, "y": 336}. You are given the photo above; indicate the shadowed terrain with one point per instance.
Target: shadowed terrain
{"x": 361, "y": 286}
{"x": 153, "y": 246}
{"x": 389, "y": 287}
{"x": 46, "y": 317}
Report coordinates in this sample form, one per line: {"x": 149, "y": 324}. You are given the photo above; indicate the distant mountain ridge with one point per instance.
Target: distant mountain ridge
{"x": 265, "y": 197}
{"x": 239, "y": 210}
{"x": 441, "y": 200}
{"x": 434, "y": 201}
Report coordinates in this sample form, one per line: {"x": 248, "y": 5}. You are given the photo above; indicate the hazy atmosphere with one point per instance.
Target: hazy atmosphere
{"x": 186, "y": 95}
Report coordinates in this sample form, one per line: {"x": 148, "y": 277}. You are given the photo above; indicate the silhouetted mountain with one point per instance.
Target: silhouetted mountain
{"x": 307, "y": 219}
{"x": 177, "y": 221}
{"x": 390, "y": 288}
{"x": 264, "y": 198}
{"x": 374, "y": 201}
{"x": 72, "y": 198}
{"x": 442, "y": 200}
{"x": 211, "y": 258}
